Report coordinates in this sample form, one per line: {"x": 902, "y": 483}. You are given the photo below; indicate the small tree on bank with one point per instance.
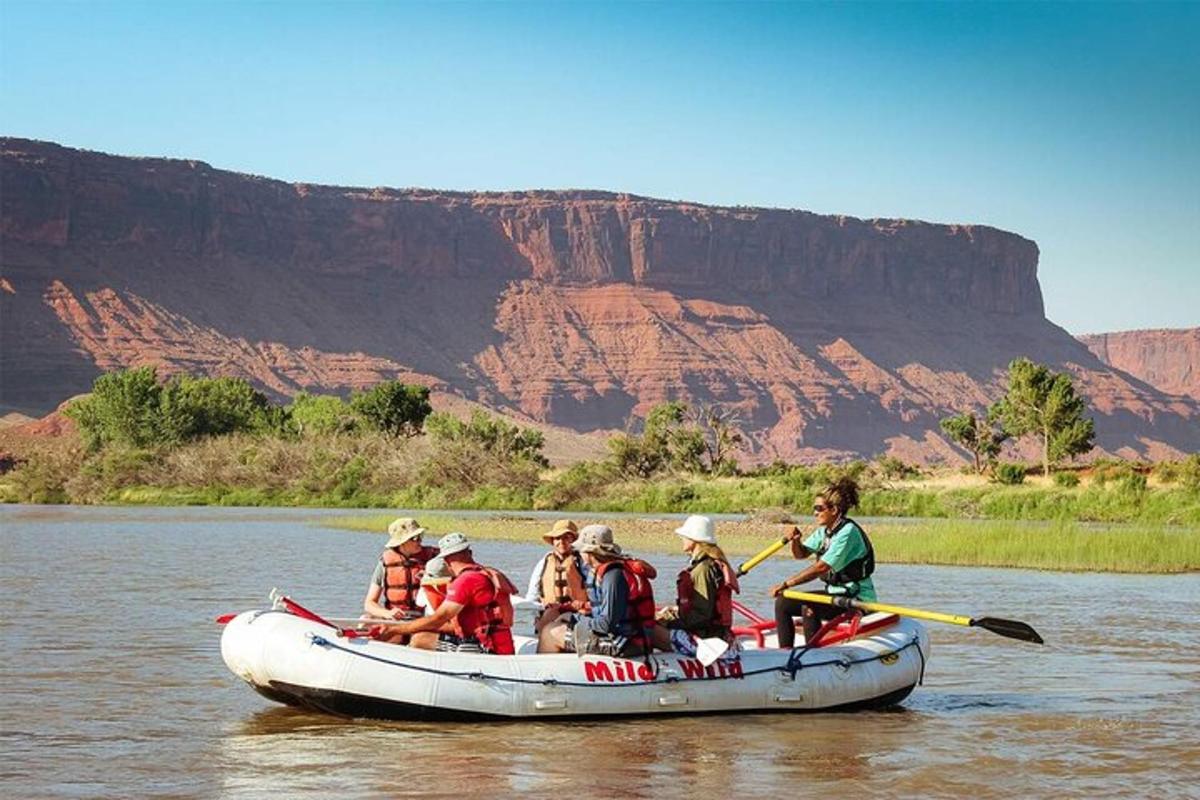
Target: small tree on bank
{"x": 1044, "y": 404}
{"x": 395, "y": 408}
{"x": 976, "y": 436}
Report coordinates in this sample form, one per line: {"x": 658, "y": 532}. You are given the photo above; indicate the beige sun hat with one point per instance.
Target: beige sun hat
{"x": 597, "y": 539}
{"x": 436, "y": 572}
{"x": 698, "y": 528}
{"x": 561, "y": 528}
{"x": 403, "y": 529}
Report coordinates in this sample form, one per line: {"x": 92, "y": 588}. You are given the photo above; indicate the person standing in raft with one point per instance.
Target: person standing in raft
{"x": 621, "y": 617}
{"x": 477, "y": 608}
{"x": 557, "y": 581}
{"x": 395, "y": 587}
{"x": 845, "y": 562}
{"x": 705, "y": 587}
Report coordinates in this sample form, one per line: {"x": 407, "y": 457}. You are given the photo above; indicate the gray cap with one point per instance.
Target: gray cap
{"x": 453, "y": 542}
{"x": 597, "y": 539}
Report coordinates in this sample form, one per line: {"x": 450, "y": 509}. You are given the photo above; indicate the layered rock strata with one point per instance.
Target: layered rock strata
{"x": 830, "y": 337}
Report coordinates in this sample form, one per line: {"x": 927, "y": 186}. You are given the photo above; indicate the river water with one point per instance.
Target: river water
{"x": 112, "y": 684}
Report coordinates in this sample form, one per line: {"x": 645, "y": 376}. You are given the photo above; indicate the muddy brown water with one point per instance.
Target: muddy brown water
{"x": 112, "y": 684}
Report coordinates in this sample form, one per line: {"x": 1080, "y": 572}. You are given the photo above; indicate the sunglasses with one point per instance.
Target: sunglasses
{"x": 817, "y": 509}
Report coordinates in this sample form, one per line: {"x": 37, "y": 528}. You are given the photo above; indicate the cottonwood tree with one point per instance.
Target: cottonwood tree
{"x": 977, "y": 436}
{"x": 1043, "y": 404}
{"x": 718, "y": 429}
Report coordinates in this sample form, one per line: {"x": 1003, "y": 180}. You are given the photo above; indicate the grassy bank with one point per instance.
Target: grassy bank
{"x": 1058, "y": 546}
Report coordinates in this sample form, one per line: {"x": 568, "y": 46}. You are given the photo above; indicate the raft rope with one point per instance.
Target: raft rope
{"x": 846, "y": 663}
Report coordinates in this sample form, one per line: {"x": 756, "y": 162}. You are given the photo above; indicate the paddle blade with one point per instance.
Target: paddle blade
{"x": 709, "y": 650}
{"x": 1013, "y": 629}
{"x": 224, "y": 619}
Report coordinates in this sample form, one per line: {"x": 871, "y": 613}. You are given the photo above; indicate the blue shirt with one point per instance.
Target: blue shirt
{"x": 610, "y": 601}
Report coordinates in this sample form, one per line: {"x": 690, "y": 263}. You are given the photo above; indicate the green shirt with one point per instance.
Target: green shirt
{"x": 846, "y": 545}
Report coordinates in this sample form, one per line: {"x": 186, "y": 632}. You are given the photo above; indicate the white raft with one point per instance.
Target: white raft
{"x": 297, "y": 661}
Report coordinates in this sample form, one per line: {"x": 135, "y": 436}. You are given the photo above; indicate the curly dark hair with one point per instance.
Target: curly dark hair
{"x": 842, "y": 494}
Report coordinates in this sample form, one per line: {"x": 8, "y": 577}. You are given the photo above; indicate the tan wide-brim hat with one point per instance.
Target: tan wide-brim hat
{"x": 564, "y": 527}
{"x": 597, "y": 539}
{"x": 402, "y": 530}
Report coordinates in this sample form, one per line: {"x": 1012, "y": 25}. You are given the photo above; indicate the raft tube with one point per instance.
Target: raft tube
{"x": 297, "y": 661}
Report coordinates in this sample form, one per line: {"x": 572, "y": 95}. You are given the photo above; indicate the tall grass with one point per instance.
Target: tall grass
{"x": 1057, "y": 546}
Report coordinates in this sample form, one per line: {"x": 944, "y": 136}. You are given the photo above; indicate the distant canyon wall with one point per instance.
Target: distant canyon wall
{"x": 829, "y": 337}
{"x": 1167, "y": 359}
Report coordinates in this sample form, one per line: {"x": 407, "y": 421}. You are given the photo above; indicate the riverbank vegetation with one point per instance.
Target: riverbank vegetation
{"x": 219, "y": 441}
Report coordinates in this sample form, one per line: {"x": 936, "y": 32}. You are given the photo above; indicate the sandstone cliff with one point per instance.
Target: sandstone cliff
{"x": 830, "y": 336}
{"x": 1168, "y": 360}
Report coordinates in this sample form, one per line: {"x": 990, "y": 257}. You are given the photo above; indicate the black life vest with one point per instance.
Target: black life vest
{"x": 859, "y": 569}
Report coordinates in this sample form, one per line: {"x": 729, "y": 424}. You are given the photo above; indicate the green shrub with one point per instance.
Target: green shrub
{"x": 322, "y": 415}
{"x": 892, "y": 468}
{"x": 394, "y": 408}
{"x": 1189, "y": 473}
{"x": 1009, "y": 474}
{"x": 1068, "y": 480}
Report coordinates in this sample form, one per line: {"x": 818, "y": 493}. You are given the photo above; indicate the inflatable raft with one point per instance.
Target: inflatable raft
{"x": 308, "y": 662}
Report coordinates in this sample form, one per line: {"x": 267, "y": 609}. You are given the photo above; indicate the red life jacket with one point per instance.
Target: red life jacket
{"x": 726, "y": 584}
{"x": 639, "y": 607}
{"x": 491, "y": 624}
{"x": 562, "y": 581}
{"x": 402, "y": 577}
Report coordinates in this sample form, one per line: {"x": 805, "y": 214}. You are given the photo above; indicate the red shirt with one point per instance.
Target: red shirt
{"x": 474, "y": 591}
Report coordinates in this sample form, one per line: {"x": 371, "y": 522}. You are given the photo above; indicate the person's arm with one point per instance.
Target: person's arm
{"x": 447, "y": 611}
{"x": 614, "y": 595}
{"x": 534, "y": 593}
{"x": 796, "y": 539}
{"x": 371, "y": 603}
{"x": 816, "y": 570}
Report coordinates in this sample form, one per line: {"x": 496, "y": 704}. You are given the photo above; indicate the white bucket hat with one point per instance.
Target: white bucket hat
{"x": 403, "y": 529}
{"x": 699, "y": 529}
{"x": 453, "y": 542}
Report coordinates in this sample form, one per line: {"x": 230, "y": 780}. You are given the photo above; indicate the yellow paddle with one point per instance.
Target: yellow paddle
{"x": 1013, "y": 629}
{"x": 771, "y": 550}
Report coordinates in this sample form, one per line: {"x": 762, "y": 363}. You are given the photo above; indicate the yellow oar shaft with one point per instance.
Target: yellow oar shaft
{"x": 882, "y": 608}
{"x": 763, "y": 556}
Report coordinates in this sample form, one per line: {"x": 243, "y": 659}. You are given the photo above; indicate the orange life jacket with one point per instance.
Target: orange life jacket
{"x": 491, "y": 625}
{"x": 562, "y": 581}
{"x": 726, "y": 585}
{"x": 639, "y": 607}
{"x": 402, "y": 577}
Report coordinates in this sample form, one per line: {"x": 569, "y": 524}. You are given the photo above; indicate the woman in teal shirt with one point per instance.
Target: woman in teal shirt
{"x": 845, "y": 561}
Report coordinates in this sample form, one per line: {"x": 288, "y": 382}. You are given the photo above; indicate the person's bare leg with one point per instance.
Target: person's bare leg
{"x": 553, "y": 637}
{"x": 662, "y": 639}
{"x": 425, "y": 640}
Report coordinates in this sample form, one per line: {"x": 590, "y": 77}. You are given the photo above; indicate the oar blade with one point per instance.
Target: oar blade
{"x": 1013, "y": 629}
{"x": 709, "y": 650}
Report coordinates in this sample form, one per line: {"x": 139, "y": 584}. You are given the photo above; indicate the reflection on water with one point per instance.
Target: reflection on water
{"x": 112, "y": 683}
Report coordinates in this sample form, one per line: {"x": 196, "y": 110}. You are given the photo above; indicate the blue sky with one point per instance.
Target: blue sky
{"x": 1075, "y": 125}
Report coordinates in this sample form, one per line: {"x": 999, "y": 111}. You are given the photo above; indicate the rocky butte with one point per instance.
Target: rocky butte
{"x": 829, "y": 336}
{"x": 1168, "y": 360}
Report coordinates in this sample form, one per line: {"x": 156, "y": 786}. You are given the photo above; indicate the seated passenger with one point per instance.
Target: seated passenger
{"x": 621, "y": 617}
{"x": 478, "y": 602}
{"x": 394, "y": 592}
{"x": 704, "y": 605}
{"x": 557, "y": 581}
{"x": 433, "y": 583}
